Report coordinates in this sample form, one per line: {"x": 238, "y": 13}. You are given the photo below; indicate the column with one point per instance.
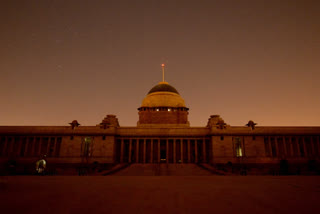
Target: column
{"x": 290, "y": 147}
{"x": 33, "y": 145}
{"x": 17, "y": 152}
{"x": 316, "y": 138}
{"x": 189, "y": 153}
{"x": 144, "y": 150}
{"x": 284, "y": 146}
{"x": 54, "y": 147}
{"x": 298, "y": 147}
{"x": 167, "y": 151}
{"x": 181, "y": 149}
{"x": 27, "y": 145}
{"x": 277, "y": 147}
{"x": 318, "y": 143}
{"x": 40, "y": 145}
{"x": 312, "y": 147}
{"x": 121, "y": 151}
{"x": 174, "y": 150}
{"x": 204, "y": 150}
{"x": 196, "y": 150}
{"x": 130, "y": 148}
{"x": 137, "y": 150}
{"x": 4, "y": 148}
{"x": 270, "y": 147}
{"x": 159, "y": 150}
{"x": 306, "y": 152}
{"x": 151, "y": 156}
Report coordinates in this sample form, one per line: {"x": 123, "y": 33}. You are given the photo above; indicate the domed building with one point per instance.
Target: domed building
{"x": 163, "y": 135}
{"x": 163, "y": 105}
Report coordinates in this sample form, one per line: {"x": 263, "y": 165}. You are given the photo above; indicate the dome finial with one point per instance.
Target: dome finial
{"x": 162, "y": 72}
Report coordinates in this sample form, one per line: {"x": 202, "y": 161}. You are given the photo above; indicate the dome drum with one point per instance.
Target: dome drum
{"x": 163, "y": 117}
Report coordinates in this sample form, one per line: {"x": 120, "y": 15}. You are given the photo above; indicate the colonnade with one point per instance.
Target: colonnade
{"x": 162, "y": 150}
{"x": 292, "y": 146}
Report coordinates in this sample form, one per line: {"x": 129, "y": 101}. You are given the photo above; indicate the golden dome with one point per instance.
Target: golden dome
{"x": 163, "y": 95}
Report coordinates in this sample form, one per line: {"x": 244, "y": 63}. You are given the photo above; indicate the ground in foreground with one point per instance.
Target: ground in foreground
{"x": 160, "y": 194}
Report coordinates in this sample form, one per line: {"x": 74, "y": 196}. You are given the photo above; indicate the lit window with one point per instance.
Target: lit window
{"x": 86, "y": 147}
{"x": 157, "y": 109}
{"x": 238, "y": 149}
{"x": 169, "y": 109}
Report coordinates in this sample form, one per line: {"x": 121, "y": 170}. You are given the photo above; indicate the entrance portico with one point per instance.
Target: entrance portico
{"x": 162, "y": 150}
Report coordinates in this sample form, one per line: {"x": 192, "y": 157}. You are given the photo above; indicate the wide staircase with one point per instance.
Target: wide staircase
{"x": 163, "y": 170}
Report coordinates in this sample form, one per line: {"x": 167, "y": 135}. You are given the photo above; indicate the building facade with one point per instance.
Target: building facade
{"x": 163, "y": 135}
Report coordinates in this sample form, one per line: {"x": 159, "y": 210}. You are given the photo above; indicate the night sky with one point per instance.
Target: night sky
{"x": 244, "y": 60}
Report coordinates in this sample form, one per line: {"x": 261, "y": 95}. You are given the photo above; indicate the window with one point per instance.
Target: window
{"x": 86, "y": 147}
{"x": 221, "y": 138}
{"x": 253, "y": 137}
{"x": 103, "y": 137}
{"x": 238, "y": 147}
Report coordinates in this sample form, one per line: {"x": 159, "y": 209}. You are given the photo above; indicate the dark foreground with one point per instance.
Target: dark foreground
{"x": 159, "y": 194}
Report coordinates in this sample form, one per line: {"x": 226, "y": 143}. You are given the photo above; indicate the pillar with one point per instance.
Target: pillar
{"x": 167, "y": 151}
{"x": 189, "y": 152}
{"x": 4, "y": 148}
{"x": 151, "y": 155}
{"x": 144, "y": 150}
{"x": 277, "y": 147}
{"x": 290, "y": 148}
{"x": 137, "y": 150}
{"x": 306, "y": 154}
{"x": 121, "y": 151}
{"x": 196, "y": 150}
{"x": 312, "y": 147}
{"x": 298, "y": 147}
{"x": 130, "y": 148}
{"x": 174, "y": 150}
{"x": 181, "y": 150}
{"x": 54, "y": 147}
{"x": 204, "y": 150}
{"x": 284, "y": 146}
{"x": 158, "y": 150}
{"x": 270, "y": 147}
